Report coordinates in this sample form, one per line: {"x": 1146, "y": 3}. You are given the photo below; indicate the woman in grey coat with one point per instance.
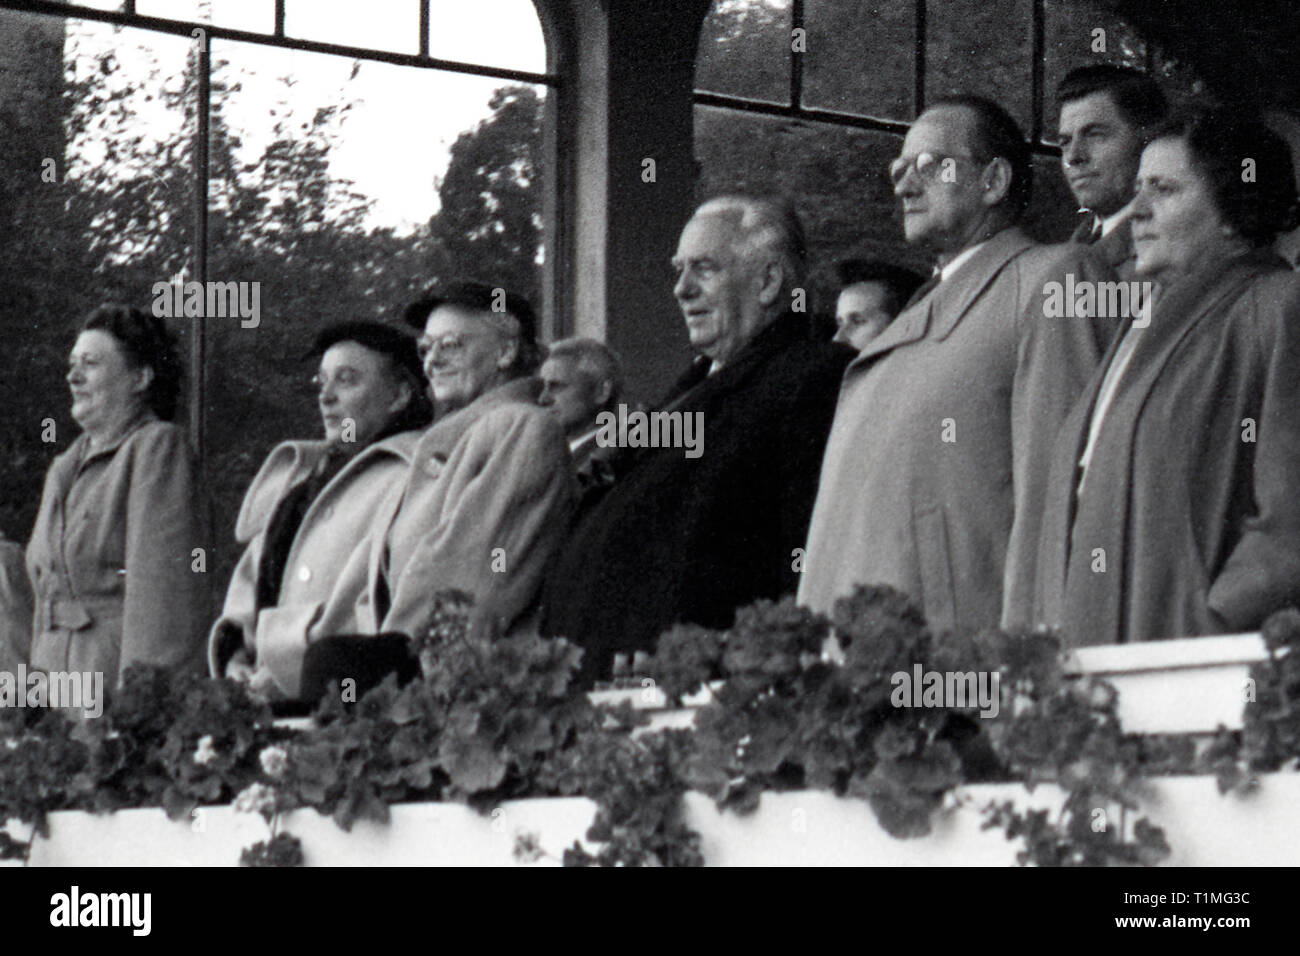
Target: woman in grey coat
{"x": 1173, "y": 506}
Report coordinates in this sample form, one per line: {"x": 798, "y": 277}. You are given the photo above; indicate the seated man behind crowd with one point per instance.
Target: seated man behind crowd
{"x": 680, "y": 538}
{"x": 871, "y": 294}
{"x": 580, "y": 379}
{"x": 312, "y": 506}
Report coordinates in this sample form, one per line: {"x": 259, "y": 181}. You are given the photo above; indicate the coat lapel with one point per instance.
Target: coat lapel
{"x": 939, "y": 313}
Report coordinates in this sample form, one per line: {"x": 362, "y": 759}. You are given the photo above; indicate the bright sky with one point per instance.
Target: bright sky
{"x": 397, "y": 137}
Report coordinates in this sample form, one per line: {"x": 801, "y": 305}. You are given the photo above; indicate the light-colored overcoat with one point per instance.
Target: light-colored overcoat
{"x": 486, "y": 503}
{"x": 324, "y": 573}
{"x": 1191, "y": 500}
{"x": 940, "y": 432}
{"x": 111, "y": 560}
{"x": 15, "y": 607}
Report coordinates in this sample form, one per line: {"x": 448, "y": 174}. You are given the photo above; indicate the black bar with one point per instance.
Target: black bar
{"x": 796, "y": 59}
{"x": 279, "y": 18}
{"x": 199, "y": 331}
{"x": 424, "y": 28}
{"x": 898, "y": 127}
{"x": 1039, "y": 54}
{"x": 185, "y": 28}
{"x": 832, "y": 117}
{"x": 918, "y": 60}
{"x": 129, "y": 6}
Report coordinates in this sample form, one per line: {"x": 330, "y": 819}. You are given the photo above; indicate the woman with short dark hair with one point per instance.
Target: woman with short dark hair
{"x": 1173, "y": 507}
{"x": 111, "y": 557}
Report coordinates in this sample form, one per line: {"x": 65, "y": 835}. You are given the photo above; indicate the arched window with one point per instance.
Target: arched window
{"x": 321, "y": 159}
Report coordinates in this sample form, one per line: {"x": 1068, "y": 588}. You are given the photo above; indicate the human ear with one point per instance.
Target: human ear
{"x": 509, "y": 352}
{"x": 771, "y": 281}
{"x": 997, "y": 182}
{"x": 145, "y": 380}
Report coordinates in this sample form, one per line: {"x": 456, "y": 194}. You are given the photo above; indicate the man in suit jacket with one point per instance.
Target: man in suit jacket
{"x": 580, "y": 379}
{"x": 691, "y": 538}
{"x": 1107, "y": 115}
{"x": 945, "y": 418}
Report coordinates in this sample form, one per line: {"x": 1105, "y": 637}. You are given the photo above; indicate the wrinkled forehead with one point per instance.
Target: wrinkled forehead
{"x": 455, "y": 319}
{"x": 714, "y": 234}
{"x": 944, "y": 129}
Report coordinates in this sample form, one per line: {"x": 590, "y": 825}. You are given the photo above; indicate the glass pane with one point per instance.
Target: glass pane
{"x": 504, "y": 33}
{"x": 253, "y": 15}
{"x": 1080, "y": 34}
{"x": 328, "y": 194}
{"x": 745, "y": 50}
{"x": 985, "y": 47}
{"x": 95, "y": 200}
{"x": 861, "y": 58}
{"x": 372, "y": 24}
{"x": 1052, "y": 211}
{"x": 834, "y": 174}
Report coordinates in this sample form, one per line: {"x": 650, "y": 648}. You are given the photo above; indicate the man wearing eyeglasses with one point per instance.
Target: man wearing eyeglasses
{"x": 944, "y": 418}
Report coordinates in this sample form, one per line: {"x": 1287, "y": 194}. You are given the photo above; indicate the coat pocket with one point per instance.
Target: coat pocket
{"x": 934, "y": 558}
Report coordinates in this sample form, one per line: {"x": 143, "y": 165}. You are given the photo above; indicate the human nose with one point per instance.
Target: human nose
{"x": 685, "y": 287}
{"x": 906, "y": 181}
{"x": 328, "y": 392}
{"x": 1075, "y": 154}
{"x": 1140, "y": 206}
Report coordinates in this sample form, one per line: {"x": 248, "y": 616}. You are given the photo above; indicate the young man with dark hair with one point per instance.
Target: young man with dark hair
{"x": 1107, "y": 114}
{"x": 871, "y": 294}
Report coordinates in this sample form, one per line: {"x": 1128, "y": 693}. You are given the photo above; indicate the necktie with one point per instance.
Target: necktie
{"x": 1088, "y": 230}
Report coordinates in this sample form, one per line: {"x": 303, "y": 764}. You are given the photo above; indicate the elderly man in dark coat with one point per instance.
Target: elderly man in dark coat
{"x": 691, "y": 534}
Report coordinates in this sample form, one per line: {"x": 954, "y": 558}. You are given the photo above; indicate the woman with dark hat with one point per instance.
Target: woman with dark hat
{"x": 491, "y": 488}
{"x": 1173, "y": 507}
{"x": 306, "y": 516}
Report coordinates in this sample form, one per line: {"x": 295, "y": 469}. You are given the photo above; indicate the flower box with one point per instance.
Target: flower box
{"x": 798, "y": 828}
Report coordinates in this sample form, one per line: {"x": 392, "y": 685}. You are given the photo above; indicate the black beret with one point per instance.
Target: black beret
{"x": 396, "y": 343}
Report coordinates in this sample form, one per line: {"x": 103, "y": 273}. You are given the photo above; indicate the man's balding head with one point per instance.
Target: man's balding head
{"x": 737, "y": 262}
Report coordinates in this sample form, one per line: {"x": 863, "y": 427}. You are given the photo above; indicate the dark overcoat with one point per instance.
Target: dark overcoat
{"x": 691, "y": 539}
{"x": 1191, "y": 503}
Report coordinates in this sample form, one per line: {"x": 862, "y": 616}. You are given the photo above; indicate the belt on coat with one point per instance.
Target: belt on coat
{"x": 75, "y": 614}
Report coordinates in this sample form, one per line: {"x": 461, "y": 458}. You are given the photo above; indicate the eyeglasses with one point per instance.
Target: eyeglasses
{"x": 927, "y": 165}
{"x": 452, "y": 345}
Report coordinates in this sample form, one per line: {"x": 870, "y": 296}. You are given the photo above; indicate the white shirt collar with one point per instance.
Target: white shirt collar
{"x": 956, "y": 261}
{"x": 1111, "y": 222}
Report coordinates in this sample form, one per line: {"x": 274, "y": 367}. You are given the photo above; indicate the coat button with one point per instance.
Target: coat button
{"x": 304, "y": 573}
